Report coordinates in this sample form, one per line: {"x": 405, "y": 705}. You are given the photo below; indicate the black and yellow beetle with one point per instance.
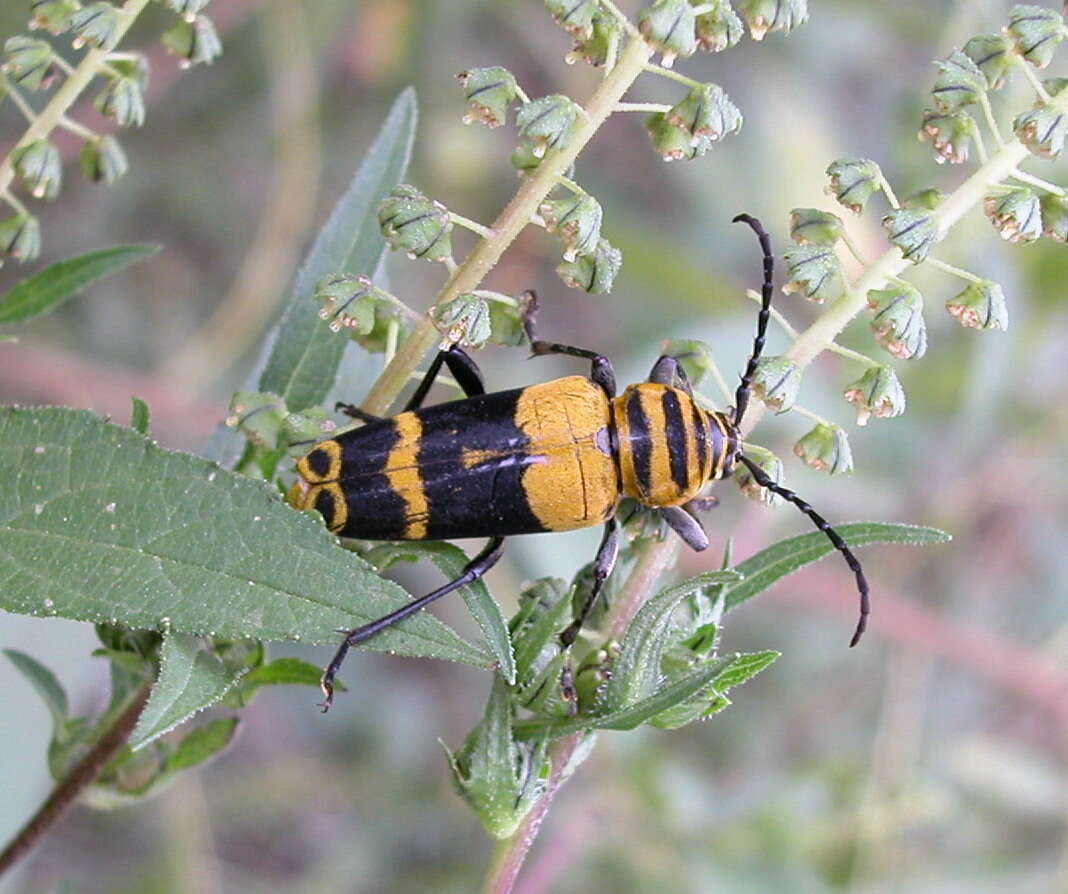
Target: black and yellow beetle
{"x": 550, "y": 457}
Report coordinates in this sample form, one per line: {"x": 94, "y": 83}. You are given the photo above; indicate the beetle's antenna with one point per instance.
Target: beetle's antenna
{"x": 741, "y": 398}
{"x": 820, "y": 522}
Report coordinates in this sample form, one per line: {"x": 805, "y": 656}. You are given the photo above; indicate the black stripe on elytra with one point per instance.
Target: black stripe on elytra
{"x": 640, "y": 448}
{"x": 676, "y": 439}
{"x": 376, "y": 511}
{"x": 485, "y": 499}
{"x": 700, "y": 436}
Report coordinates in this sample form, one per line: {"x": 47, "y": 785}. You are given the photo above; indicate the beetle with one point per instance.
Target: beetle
{"x": 549, "y": 457}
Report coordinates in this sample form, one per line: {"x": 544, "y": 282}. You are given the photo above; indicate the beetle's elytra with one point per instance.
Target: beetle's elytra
{"x": 550, "y": 457}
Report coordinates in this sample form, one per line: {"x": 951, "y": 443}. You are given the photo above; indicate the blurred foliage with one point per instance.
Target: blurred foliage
{"x": 932, "y": 758}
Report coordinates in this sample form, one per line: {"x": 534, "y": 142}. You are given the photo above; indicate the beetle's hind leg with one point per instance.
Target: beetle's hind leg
{"x": 601, "y": 371}
{"x": 473, "y": 570}
{"x": 463, "y": 369}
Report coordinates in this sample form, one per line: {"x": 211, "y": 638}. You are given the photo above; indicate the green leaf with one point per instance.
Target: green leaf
{"x": 787, "y": 556}
{"x": 545, "y": 609}
{"x": 190, "y": 680}
{"x": 636, "y": 672}
{"x": 450, "y": 560}
{"x": 139, "y": 416}
{"x": 305, "y": 354}
{"x": 46, "y": 684}
{"x": 740, "y": 668}
{"x": 97, "y": 523}
{"x": 282, "y": 672}
{"x": 49, "y": 288}
{"x": 201, "y": 744}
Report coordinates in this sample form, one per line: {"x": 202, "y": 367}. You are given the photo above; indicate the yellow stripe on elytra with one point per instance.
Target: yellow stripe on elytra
{"x": 402, "y": 472}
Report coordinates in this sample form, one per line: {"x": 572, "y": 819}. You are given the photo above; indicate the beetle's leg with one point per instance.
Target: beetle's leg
{"x": 473, "y": 570}
{"x": 668, "y": 371}
{"x": 463, "y": 369}
{"x": 686, "y": 526}
{"x": 700, "y": 504}
{"x": 602, "y": 567}
{"x": 355, "y": 412}
{"x": 601, "y": 371}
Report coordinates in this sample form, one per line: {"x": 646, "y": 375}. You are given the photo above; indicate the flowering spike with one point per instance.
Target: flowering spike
{"x": 720, "y": 28}
{"x": 595, "y": 272}
{"x": 463, "y": 320}
{"x": 301, "y": 430}
{"x": 258, "y": 416}
{"x": 1042, "y": 130}
{"x": 595, "y": 49}
{"x": 980, "y": 306}
{"x": 489, "y": 92}
{"x": 913, "y": 230}
{"x": 705, "y": 114}
{"x": 1015, "y": 213}
{"x": 195, "y": 42}
{"x": 810, "y": 226}
{"x": 771, "y": 465}
{"x": 826, "y": 448}
{"x": 853, "y": 181}
{"x": 877, "y": 393}
{"x": 776, "y": 382}
{"x": 576, "y": 17}
{"x": 348, "y": 302}
{"x": 187, "y": 9}
{"x": 123, "y": 97}
{"x": 992, "y": 55}
{"x": 928, "y": 198}
{"x": 39, "y": 167}
{"x": 1054, "y": 217}
{"x": 577, "y": 220}
{"x": 52, "y": 15}
{"x": 763, "y": 16}
{"x": 28, "y": 62}
{"x": 951, "y": 134}
{"x": 20, "y": 237}
{"x": 897, "y": 320}
{"x": 1037, "y": 31}
{"x": 960, "y": 82}
{"x": 670, "y": 27}
{"x": 416, "y": 224}
{"x": 813, "y": 271}
{"x": 96, "y": 25}
{"x": 103, "y": 160}
{"x": 546, "y": 123}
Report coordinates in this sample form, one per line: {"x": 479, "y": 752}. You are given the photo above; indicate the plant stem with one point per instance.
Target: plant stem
{"x": 76, "y": 781}
{"x": 509, "y": 223}
{"x": 655, "y": 559}
{"x": 90, "y": 66}
{"x": 511, "y": 852}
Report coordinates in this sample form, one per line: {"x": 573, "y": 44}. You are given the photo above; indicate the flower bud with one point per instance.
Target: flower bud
{"x": 951, "y": 134}
{"x": 301, "y": 430}
{"x": 347, "y": 301}
{"x": 525, "y": 158}
{"x": 928, "y": 199}
{"x": 719, "y": 29}
{"x": 670, "y": 142}
{"x": 187, "y": 9}
{"x": 1042, "y": 130}
{"x": 826, "y": 448}
{"x": 605, "y": 34}
{"x": 28, "y": 62}
{"x": 913, "y": 230}
{"x": 546, "y": 122}
{"x": 594, "y": 273}
{"x": 592, "y": 674}
{"x": 416, "y": 224}
{"x": 770, "y": 464}
{"x": 776, "y": 382}
{"x": 506, "y": 324}
{"x": 705, "y": 114}
{"x": 960, "y": 82}
{"x": 258, "y": 416}
{"x": 39, "y": 167}
{"x": 813, "y": 271}
{"x": 877, "y": 393}
{"x": 670, "y": 27}
{"x": 1054, "y": 217}
{"x": 96, "y": 25}
{"x": 897, "y": 320}
{"x": 1036, "y": 31}
{"x": 693, "y": 355}
{"x": 52, "y": 15}
{"x": 489, "y": 92}
{"x": 810, "y": 226}
{"x": 500, "y": 778}
{"x": 853, "y": 181}
{"x": 20, "y": 237}
{"x": 122, "y": 98}
{"x": 577, "y": 220}
{"x": 980, "y": 306}
{"x": 993, "y": 57}
{"x": 103, "y": 160}
{"x": 763, "y": 16}
{"x": 463, "y": 320}
{"x": 1015, "y": 213}
{"x": 193, "y": 42}
{"x": 576, "y": 17}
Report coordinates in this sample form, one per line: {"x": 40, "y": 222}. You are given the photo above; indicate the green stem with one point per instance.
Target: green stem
{"x": 51, "y": 115}
{"x": 512, "y": 220}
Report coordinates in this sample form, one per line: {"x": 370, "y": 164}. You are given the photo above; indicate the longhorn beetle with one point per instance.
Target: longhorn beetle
{"x": 550, "y": 457}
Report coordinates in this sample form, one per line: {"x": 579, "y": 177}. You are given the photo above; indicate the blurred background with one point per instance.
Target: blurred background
{"x": 929, "y": 759}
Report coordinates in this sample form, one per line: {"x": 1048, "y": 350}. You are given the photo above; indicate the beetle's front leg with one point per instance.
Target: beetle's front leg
{"x": 601, "y": 372}
{"x": 463, "y": 369}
